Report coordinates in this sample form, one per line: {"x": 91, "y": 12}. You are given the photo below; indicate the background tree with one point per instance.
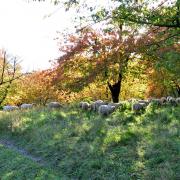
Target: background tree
{"x": 9, "y": 72}
{"x": 158, "y": 46}
{"x": 98, "y": 57}
{"x": 36, "y": 87}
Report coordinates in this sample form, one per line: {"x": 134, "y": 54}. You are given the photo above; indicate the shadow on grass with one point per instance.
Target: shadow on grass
{"x": 83, "y": 145}
{"x": 15, "y": 166}
{"x": 159, "y": 148}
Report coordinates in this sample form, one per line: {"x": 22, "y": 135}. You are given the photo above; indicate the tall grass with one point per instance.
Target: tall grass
{"x": 83, "y": 145}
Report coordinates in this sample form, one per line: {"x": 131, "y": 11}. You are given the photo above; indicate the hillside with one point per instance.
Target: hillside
{"x": 73, "y": 144}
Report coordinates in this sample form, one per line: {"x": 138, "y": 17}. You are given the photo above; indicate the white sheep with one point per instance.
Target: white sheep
{"x": 172, "y": 101}
{"x": 97, "y": 104}
{"x": 10, "y": 108}
{"x": 26, "y": 106}
{"x": 144, "y": 101}
{"x": 54, "y": 105}
{"x": 80, "y": 104}
{"x": 115, "y": 104}
{"x": 92, "y": 106}
{"x": 138, "y": 106}
{"x": 168, "y": 98}
{"x": 106, "y": 109}
{"x": 178, "y": 100}
{"x": 163, "y": 100}
{"x": 85, "y": 105}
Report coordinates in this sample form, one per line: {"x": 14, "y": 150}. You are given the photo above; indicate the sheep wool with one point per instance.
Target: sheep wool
{"x": 80, "y": 104}
{"x": 138, "y": 106}
{"x": 169, "y": 97}
{"x": 144, "y": 101}
{"x": 115, "y": 104}
{"x": 10, "y": 108}
{"x": 92, "y": 106}
{"x": 163, "y": 100}
{"x": 85, "y": 105}
{"x": 54, "y": 105}
{"x": 178, "y": 100}
{"x": 98, "y": 103}
{"x": 26, "y": 106}
{"x": 106, "y": 110}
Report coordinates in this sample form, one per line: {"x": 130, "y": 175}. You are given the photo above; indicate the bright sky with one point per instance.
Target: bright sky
{"x": 25, "y": 31}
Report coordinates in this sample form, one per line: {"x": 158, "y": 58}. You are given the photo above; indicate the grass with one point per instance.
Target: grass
{"x": 83, "y": 145}
{"x": 15, "y": 166}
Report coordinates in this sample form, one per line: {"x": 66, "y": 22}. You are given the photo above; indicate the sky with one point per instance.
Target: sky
{"x": 28, "y": 32}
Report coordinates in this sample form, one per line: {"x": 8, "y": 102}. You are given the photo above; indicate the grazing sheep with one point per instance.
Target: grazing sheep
{"x": 92, "y": 106}
{"x": 97, "y": 104}
{"x": 144, "y": 101}
{"x": 54, "y": 105}
{"x": 178, "y": 100}
{"x": 115, "y": 104}
{"x": 163, "y": 100}
{"x": 85, "y": 105}
{"x": 106, "y": 109}
{"x": 99, "y": 101}
{"x": 10, "y": 108}
{"x": 80, "y": 104}
{"x": 168, "y": 98}
{"x": 138, "y": 107}
{"x": 26, "y": 106}
{"x": 172, "y": 101}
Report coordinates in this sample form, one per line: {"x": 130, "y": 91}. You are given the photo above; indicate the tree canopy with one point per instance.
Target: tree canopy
{"x": 125, "y": 49}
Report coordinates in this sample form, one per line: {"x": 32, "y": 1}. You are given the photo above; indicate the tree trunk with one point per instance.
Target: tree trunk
{"x": 115, "y": 89}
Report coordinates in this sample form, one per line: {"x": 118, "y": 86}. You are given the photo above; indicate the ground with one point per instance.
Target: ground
{"x": 74, "y": 144}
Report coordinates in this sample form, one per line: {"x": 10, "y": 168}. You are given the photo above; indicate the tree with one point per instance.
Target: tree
{"x": 161, "y": 13}
{"x": 103, "y": 55}
{"x": 37, "y": 87}
{"x": 163, "y": 49}
{"x": 9, "y": 72}
{"x": 157, "y": 44}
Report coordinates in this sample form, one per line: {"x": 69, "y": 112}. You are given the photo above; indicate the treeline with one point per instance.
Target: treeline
{"x": 136, "y": 53}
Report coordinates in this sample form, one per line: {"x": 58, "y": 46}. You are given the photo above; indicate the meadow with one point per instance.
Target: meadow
{"x": 74, "y": 144}
{"x": 124, "y": 53}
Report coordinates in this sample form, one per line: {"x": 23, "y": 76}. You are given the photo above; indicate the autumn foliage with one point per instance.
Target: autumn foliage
{"x": 92, "y": 60}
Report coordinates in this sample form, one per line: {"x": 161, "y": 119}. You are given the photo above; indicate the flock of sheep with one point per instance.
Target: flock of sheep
{"x": 105, "y": 108}
{"x": 29, "y": 106}
{"x": 100, "y": 106}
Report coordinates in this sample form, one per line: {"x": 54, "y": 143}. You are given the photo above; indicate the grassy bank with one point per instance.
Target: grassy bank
{"x": 82, "y": 145}
{"x": 15, "y": 166}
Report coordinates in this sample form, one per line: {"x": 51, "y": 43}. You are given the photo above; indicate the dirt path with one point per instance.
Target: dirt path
{"x": 10, "y": 145}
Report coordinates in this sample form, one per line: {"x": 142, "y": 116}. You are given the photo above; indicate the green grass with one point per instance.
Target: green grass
{"x": 14, "y": 166}
{"x": 83, "y": 145}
